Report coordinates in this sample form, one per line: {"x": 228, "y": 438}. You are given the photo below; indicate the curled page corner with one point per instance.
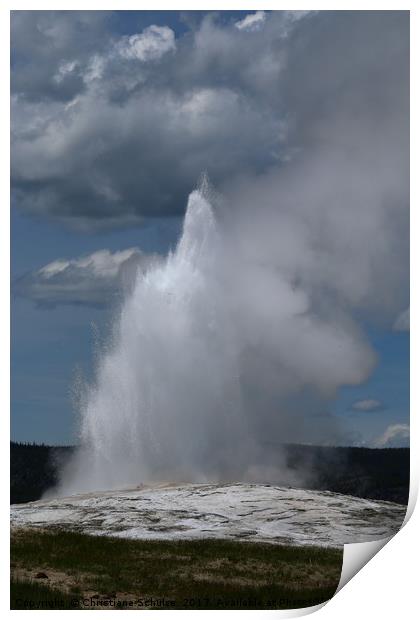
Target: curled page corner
{"x": 356, "y": 556}
{"x": 302, "y": 611}
{"x": 297, "y": 612}
{"x": 413, "y": 494}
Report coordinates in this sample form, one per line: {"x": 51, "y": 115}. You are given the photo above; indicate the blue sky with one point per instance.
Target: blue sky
{"x": 50, "y": 345}
{"x": 389, "y": 384}
{"x": 116, "y": 115}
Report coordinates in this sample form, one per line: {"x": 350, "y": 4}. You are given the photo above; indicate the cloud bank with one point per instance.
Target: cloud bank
{"x": 98, "y": 279}
{"x": 108, "y": 128}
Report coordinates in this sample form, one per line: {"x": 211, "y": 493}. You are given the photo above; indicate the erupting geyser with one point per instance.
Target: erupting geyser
{"x": 216, "y": 355}
{"x": 166, "y": 403}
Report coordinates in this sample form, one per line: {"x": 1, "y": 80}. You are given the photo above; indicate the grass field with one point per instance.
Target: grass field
{"x": 34, "y": 595}
{"x": 61, "y": 570}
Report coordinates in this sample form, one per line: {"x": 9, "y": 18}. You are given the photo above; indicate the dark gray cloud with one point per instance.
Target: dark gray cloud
{"x": 48, "y": 50}
{"x": 108, "y": 129}
{"x": 97, "y": 280}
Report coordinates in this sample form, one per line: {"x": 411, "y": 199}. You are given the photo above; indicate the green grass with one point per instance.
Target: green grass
{"x": 192, "y": 574}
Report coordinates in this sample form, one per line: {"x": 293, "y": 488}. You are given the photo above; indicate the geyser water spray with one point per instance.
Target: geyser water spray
{"x": 166, "y": 402}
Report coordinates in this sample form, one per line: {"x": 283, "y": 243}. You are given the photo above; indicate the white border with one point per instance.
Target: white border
{"x": 387, "y": 585}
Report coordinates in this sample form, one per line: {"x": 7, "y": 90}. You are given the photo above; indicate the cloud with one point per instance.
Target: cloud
{"x": 116, "y": 128}
{"x": 370, "y": 404}
{"x": 253, "y": 21}
{"x": 395, "y": 436}
{"x": 44, "y": 41}
{"x": 94, "y": 280}
{"x": 64, "y": 70}
{"x": 288, "y": 20}
{"x": 402, "y": 322}
{"x": 153, "y": 43}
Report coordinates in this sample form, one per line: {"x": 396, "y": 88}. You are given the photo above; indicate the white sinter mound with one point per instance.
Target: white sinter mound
{"x": 253, "y": 512}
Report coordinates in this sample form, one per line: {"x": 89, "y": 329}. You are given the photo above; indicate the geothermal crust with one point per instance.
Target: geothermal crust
{"x": 254, "y": 512}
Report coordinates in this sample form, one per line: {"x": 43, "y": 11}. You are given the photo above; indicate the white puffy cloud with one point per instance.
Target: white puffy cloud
{"x": 402, "y": 322}
{"x": 151, "y": 44}
{"x": 394, "y": 436}
{"x": 253, "y": 21}
{"x": 369, "y": 404}
{"x": 94, "y": 280}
